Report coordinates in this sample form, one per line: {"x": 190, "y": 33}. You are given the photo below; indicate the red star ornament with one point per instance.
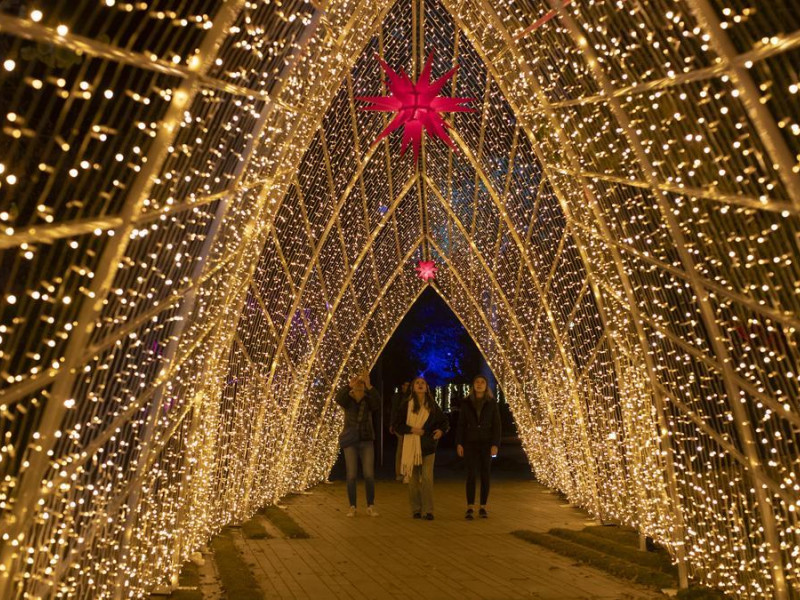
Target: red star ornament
{"x": 426, "y": 269}
{"x": 418, "y": 106}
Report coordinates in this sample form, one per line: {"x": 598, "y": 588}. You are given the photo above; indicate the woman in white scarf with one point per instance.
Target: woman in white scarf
{"x": 422, "y": 424}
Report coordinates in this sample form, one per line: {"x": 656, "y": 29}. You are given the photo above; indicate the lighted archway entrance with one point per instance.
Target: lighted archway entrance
{"x": 200, "y": 242}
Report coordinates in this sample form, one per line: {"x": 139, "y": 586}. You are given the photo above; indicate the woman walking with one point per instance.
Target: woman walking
{"x": 478, "y": 439}
{"x": 422, "y": 423}
{"x": 359, "y": 399}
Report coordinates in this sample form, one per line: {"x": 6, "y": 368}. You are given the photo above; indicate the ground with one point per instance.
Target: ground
{"x": 394, "y": 556}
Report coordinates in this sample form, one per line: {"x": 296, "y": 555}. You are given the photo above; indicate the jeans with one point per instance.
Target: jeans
{"x": 365, "y": 450}
{"x": 478, "y": 456}
{"x": 420, "y": 486}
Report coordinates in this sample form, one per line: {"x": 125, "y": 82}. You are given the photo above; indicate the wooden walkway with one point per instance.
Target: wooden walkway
{"x": 395, "y": 556}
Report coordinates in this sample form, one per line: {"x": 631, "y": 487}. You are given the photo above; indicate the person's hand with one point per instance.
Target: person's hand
{"x": 365, "y": 378}
{"x": 437, "y": 434}
{"x": 494, "y": 450}
{"x": 460, "y": 451}
{"x": 391, "y": 430}
{"x": 417, "y": 431}
{"x": 353, "y": 381}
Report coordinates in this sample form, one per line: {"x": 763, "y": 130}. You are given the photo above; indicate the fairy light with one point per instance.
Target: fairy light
{"x": 273, "y": 254}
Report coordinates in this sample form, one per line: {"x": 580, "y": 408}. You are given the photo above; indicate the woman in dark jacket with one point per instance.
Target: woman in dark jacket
{"x": 359, "y": 399}
{"x": 422, "y": 423}
{"x": 477, "y": 439}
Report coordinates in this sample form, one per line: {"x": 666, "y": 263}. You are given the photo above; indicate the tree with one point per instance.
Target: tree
{"x": 431, "y": 342}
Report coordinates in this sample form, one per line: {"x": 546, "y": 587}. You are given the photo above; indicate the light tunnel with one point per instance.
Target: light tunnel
{"x": 201, "y": 242}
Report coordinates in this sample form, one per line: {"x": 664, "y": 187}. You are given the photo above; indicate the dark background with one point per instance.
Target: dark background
{"x": 432, "y": 343}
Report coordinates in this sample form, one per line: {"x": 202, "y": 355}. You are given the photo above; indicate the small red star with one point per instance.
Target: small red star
{"x": 426, "y": 269}
{"x": 417, "y": 106}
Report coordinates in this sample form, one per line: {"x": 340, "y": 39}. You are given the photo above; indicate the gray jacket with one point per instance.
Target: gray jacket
{"x": 358, "y": 415}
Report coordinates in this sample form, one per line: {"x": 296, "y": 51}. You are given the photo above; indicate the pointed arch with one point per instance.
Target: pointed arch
{"x": 617, "y": 230}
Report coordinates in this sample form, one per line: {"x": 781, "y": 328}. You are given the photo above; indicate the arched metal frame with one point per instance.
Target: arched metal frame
{"x": 200, "y": 248}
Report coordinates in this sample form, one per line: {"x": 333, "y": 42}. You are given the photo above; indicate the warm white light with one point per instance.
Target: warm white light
{"x": 626, "y": 258}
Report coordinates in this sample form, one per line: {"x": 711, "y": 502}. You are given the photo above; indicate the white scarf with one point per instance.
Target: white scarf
{"x": 412, "y": 447}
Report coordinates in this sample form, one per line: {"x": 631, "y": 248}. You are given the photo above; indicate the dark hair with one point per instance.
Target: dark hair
{"x": 487, "y": 394}
{"x": 429, "y": 401}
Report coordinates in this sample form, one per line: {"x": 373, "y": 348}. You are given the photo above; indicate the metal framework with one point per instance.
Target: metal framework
{"x": 200, "y": 243}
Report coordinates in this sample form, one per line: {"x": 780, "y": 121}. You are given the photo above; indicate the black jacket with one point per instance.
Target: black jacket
{"x": 436, "y": 420}
{"x": 474, "y": 429}
{"x": 397, "y": 400}
{"x": 352, "y": 411}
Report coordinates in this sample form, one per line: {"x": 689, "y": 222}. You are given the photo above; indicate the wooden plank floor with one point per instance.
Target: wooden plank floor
{"x": 395, "y": 556}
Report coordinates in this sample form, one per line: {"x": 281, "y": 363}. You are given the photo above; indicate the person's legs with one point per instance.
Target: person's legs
{"x": 486, "y": 468}
{"x": 351, "y": 465}
{"x": 471, "y": 460}
{"x": 367, "y": 451}
{"x": 415, "y": 491}
{"x": 426, "y": 476}
{"x": 398, "y": 457}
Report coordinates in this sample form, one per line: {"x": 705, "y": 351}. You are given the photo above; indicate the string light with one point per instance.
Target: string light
{"x": 201, "y": 244}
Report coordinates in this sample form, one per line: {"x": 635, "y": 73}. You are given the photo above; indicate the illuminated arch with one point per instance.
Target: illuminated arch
{"x": 617, "y": 232}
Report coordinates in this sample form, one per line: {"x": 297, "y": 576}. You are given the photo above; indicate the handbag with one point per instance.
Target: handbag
{"x": 349, "y": 437}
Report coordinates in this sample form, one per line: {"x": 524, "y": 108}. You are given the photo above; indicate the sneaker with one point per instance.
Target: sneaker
{"x": 371, "y": 511}
{"x": 429, "y": 517}
{"x": 469, "y": 515}
{"x": 416, "y": 516}
{"x": 483, "y": 514}
{"x": 352, "y": 511}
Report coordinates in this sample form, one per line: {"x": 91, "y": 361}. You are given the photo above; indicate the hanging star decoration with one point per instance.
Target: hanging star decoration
{"x": 418, "y": 106}
{"x": 426, "y": 269}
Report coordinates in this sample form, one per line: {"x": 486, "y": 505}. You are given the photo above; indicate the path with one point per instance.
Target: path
{"x": 394, "y": 556}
